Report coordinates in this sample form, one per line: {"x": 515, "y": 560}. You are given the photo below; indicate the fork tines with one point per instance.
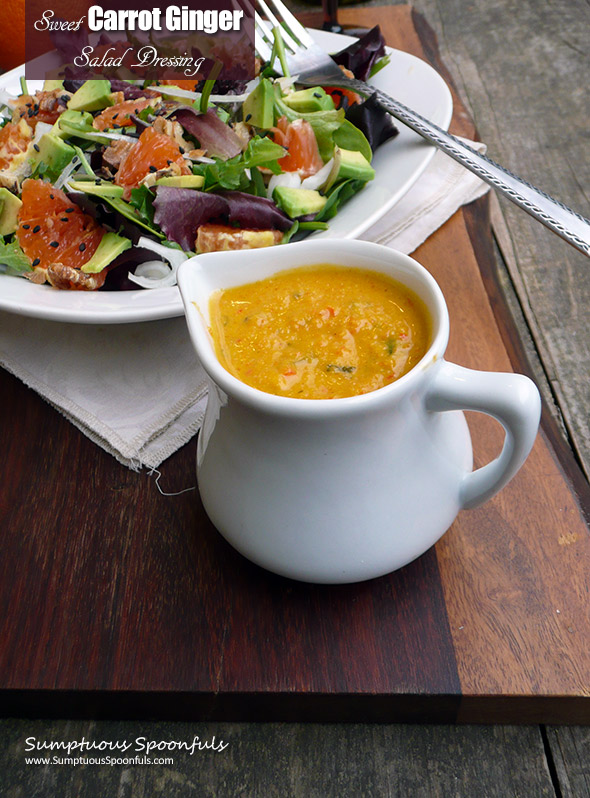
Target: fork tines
{"x": 275, "y": 14}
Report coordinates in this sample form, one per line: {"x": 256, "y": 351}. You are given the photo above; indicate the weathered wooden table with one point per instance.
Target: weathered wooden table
{"x": 537, "y": 126}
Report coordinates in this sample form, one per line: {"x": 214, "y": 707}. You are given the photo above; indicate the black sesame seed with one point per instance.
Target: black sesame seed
{"x": 64, "y": 219}
{"x": 54, "y": 244}
{"x": 36, "y": 111}
{"x": 153, "y": 169}
{"x": 36, "y": 262}
{"x": 248, "y": 117}
{"x": 168, "y": 162}
{"x": 115, "y": 116}
{"x": 64, "y": 98}
{"x": 82, "y": 247}
{"x": 69, "y": 210}
{"x": 36, "y": 228}
{"x": 26, "y": 226}
{"x": 316, "y": 94}
{"x": 36, "y": 148}
{"x": 51, "y": 196}
{"x": 98, "y": 181}
{"x": 181, "y": 150}
{"x": 28, "y": 105}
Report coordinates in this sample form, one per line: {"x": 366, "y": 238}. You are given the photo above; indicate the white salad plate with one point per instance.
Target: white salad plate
{"x": 398, "y": 164}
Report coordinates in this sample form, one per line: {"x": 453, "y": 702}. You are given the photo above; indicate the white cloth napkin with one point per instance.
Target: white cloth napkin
{"x": 138, "y": 390}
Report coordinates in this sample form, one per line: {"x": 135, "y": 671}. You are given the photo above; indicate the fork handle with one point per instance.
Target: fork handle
{"x": 568, "y": 224}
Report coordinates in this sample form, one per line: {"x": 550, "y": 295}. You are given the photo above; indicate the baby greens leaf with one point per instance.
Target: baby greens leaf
{"x": 231, "y": 174}
{"x": 12, "y": 259}
{"x": 142, "y": 200}
{"x": 349, "y": 137}
{"x": 337, "y": 197}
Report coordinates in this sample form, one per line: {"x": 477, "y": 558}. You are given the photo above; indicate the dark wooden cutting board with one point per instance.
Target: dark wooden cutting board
{"x": 118, "y": 601}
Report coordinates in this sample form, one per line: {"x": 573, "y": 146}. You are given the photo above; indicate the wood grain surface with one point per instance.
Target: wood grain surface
{"x": 570, "y": 749}
{"x": 523, "y": 69}
{"x": 119, "y": 601}
{"x": 280, "y": 760}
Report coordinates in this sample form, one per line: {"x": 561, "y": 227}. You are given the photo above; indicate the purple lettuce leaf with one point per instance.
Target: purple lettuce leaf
{"x": 360, "y": 56}
{"x": 212, "y": 134}
{"x": 140, "y": 124}
{"x": 258, "y": 213}
{"x": 372, "y": 120}
{"x": 180, "y": 211}
{"x": 130, "y": 91}
{"x": 73, "y": 84}
{"x": 227, "y": 85}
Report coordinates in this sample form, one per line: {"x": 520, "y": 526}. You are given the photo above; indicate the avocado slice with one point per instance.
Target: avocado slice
{"x": 111, "y": 246}
{"x": 298, "y": 201}
{"x": 349, "y": 164}
{"x": 79, "y": 125}
{"x": 52, "y": 85}
{"x": 97, "y": 189}
{"x": 51, "y": 156}
{"x": 181, "y": 181}
{"x": 71, "y": 118}
{"x": 93, "y": 95}
{"x": 258, "y": 108}
{"x": 9, "y": 208}
{"x": 307, "y": 100}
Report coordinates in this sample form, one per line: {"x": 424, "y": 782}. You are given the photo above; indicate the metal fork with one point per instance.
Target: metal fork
{"x": 314, "y": 67}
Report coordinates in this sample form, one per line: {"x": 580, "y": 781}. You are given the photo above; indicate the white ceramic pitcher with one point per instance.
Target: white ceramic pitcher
{"x": 343, "y": 490}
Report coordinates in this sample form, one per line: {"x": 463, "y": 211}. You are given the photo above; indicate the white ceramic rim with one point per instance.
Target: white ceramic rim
{"x": 374, "y": 256}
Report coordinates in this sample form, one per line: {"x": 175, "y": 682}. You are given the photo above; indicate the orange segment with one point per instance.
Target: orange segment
{"x": 120, "y": 113}
{"x": 52, "y": 229}
{"x": 152, "y": 152}
{"x": 299, "y": 139}
{"x": 189, "y": 85}
{"x": 337, "y": 94}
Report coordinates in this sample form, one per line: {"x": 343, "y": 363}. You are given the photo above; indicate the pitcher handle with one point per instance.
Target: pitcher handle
{"x": 512, "y": 399}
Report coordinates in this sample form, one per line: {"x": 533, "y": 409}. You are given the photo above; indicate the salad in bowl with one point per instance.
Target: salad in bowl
{"x": 110, "y": 184}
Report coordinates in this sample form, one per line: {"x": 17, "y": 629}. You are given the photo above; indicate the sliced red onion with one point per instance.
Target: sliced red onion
{"x": 176, "y": 91}
{"x": 153, "y": 274}
{"x": 286, "y": 84}
{"x": 67, "y": 172}
{"x": 7, "y": 99}
{"x": 41, "y": 129}
{"x": 157, "y": 274}
{"x": 317, "y": 181}
{"x": 288, "y": 179}
{"x": 116, "y": 136}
